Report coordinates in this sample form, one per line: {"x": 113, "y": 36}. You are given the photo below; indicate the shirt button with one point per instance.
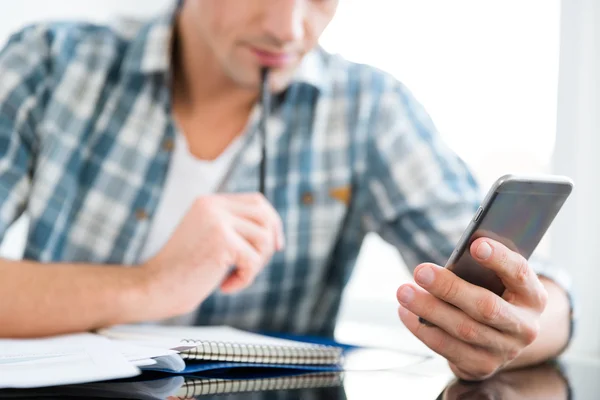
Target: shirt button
{"x": 308, "y": 198}
{"x": 168, "y": 145}
{"x": 141, "y": 214}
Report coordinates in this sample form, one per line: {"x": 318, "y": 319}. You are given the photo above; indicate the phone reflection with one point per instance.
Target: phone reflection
{"x": 543, "y": 382}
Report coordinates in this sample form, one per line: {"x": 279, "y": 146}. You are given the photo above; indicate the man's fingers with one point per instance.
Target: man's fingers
{"x": 477, "y": 302}
{"x": 257, "y": 235}
{"x": 454, "y": 321}
{"x": 248, "y": 263}
{"x": 478, "y": 362}
{"x": 512, "y": 268}
{"x": 233, "y": 283}
{"x": 256, "y": 208}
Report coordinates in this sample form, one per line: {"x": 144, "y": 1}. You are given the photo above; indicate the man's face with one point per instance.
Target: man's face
{"x": 245, "y": 35}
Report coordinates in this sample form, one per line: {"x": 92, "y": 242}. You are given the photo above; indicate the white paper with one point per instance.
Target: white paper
{"x": 174, "y": 336}
{"x": 60, "y": 360}
{"x": 173, "y": 363}
{"x": 144, "y": 363}
{"x": 143, "y": 339}
{"x": 141, "y": 356}
{"x": 133, "y": 351}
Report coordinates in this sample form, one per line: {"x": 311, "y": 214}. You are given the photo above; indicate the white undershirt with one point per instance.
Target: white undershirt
{"x": 187, "y": 179}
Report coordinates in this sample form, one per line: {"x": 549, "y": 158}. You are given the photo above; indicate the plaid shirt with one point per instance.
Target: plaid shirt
{"x": 86, "y": 135}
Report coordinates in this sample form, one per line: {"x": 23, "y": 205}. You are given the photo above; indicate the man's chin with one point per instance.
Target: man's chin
{"x": 278, "y": 81}
{"x": 250, "y": 78}
{"x": 280, "y": 78}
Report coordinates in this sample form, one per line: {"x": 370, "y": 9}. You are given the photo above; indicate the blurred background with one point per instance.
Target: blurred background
{"x": 514, "y": 87}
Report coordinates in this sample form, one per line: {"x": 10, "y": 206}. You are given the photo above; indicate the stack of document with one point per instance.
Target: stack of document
{"x": 61, "y": 360}
{"x": 77, "y": 358}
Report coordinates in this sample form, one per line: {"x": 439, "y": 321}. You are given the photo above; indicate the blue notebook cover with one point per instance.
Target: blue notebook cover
{"x": 202, "y": 366}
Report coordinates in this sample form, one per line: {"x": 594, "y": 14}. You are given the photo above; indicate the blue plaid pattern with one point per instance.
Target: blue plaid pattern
{"x": 85, "y": 133}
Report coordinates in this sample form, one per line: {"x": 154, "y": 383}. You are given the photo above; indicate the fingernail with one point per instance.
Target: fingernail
{"x": 484, "y": 251}
{"x": 425, "y": 276}
{"x": 405, "y": 295}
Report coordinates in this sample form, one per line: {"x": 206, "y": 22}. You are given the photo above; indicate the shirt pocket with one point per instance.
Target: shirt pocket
{"x": 313, "y": 220}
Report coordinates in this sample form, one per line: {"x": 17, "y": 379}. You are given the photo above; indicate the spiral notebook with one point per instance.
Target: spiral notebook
{"x": 226, "y": 346}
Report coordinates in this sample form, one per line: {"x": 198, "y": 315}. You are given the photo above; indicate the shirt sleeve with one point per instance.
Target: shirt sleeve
{"x": 23, "y": 79}
{"x": 421, "y": 196}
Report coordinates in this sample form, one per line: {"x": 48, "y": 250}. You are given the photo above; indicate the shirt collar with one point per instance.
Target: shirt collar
{"x": 312, "y": 70}
{"x": 150, "y": 49}
{"x": 150, "y": 53}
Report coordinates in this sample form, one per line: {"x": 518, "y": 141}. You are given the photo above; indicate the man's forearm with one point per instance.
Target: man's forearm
{"x": 47, "y": 299}
{"x": 554, "y": 329}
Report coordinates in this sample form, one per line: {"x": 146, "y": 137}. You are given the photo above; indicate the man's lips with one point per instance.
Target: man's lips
{"x": 272, "y": 59}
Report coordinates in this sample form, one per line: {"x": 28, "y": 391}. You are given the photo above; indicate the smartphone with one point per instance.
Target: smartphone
{"x": 517, "y": 212}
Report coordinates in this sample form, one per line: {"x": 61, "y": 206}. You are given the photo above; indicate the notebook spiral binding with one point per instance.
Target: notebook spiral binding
{"x": 209, "y": 386}
{"x": 308, "y": 354}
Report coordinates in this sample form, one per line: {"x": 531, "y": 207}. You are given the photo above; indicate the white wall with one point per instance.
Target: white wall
{"x": 16, "y": 13}
{"x": 486, "y": 70}
{"x": 576, "y": 234}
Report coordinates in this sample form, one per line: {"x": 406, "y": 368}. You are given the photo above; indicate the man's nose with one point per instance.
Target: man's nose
{"x": 284, "y": 20}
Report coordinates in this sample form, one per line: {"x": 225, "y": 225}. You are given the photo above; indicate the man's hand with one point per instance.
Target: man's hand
{"x": 477, "y": 331}
{"x": 217, "y": 233}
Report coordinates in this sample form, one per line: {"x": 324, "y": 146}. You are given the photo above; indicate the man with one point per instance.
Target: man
{"x": 136, "y": 145}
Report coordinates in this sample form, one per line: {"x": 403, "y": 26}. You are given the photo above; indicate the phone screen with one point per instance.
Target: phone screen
{"x": 517, "y": 218}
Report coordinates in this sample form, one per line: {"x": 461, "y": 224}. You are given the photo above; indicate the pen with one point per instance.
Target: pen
{"x": 265, "y": 97}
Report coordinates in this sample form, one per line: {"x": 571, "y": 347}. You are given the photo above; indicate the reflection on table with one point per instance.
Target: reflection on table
{"x": 563, "y": 380}
{"x": 325, "y": 385}
{"x": 551, "y": 381}
{"x": 544, "y": 382}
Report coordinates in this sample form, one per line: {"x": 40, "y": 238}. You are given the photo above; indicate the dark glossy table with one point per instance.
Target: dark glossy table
{"x": 567, "y": 379}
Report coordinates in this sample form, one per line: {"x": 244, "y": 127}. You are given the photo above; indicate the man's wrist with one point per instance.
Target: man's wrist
{"x": 135, "y": 300}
